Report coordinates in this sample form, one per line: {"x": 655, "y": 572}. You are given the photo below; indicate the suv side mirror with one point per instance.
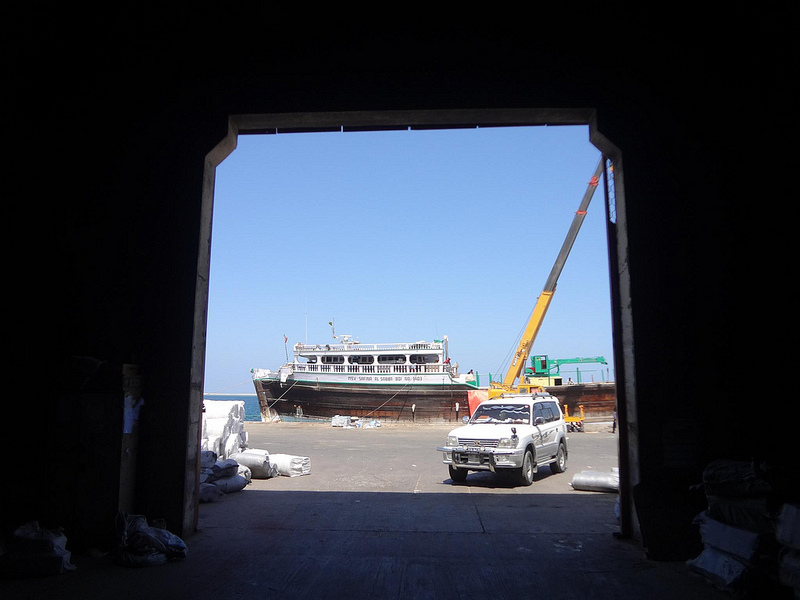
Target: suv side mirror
{"x": 465, "y": 419}
{"x": 538, "y": 421}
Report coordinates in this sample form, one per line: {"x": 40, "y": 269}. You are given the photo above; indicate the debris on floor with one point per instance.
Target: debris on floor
{"x": 347, "y": 422}
{"x": 34, "y": 551}
{"x": 141, "y": 545}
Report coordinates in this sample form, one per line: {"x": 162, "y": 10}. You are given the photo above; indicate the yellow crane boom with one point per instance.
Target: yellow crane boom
{"x": 544, "y": 299}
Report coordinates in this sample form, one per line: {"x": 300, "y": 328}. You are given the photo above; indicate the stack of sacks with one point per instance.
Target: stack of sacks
{"x": 738, "y": 528}
{"x": 34, "y": 551}
{"x": 223, "y": 427}
{"x": 220, "y": 477}
{"x": 291, "y": 466}
{"x": 258, "y": 462}
{"x": 787, "y": 532}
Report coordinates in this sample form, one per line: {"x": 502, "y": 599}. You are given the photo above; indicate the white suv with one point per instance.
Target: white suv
{"x": 516, "y": 433}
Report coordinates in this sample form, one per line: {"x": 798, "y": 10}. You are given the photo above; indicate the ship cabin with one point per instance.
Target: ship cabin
{"x": 353, "y": 357}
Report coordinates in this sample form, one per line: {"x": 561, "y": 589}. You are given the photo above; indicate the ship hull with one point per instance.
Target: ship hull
{"x": 391, "y": 403}
{"x": 598, "y": 399}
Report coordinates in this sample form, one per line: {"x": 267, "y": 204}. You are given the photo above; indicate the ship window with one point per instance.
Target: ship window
{"x": 423, "y": 359}
{"x": 310, "y": 359}
{"x": 333, "y": 360}
{"x": 391, "y": 359}
{"x": 361, "y": 360}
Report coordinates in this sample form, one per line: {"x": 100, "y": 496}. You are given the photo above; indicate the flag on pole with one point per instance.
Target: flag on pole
{"x": 285, "y": 339}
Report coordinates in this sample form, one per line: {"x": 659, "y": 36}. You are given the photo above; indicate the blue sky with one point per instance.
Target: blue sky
{"x": 405, "y": 236}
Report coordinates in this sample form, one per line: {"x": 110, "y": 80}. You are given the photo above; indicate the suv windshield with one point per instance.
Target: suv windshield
{"x": 502, "y": 413}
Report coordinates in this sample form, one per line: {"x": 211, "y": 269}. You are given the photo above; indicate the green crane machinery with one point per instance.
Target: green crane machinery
{"x": 543, "y": 366}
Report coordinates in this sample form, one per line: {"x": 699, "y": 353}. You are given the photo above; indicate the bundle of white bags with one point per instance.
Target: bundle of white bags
{"x": 219, "y": 477}
{"x": 223, "y": 427}
{"x": 224, "y": 476}
{"x": 291, "y": 466}
{"x": 258, "y": 461}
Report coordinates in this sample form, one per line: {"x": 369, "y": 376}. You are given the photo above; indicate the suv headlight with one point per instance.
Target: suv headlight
{"x": 452, "y": 441}
{"x": 510, "y": 442}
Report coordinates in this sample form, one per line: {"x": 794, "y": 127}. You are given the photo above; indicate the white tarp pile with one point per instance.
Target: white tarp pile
{"x": 220, "y": 477}
{"x": 744, "y": 539}
{"x": 34, "y": 551}
{"x": 223, "y": 427}
{"x": 348, "y": 422}
{"x": 595, "y": 481}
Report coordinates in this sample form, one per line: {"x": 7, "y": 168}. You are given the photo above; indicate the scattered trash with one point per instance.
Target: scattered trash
{"x": 34, "y": 551}
{"x": 141, "y": 545}
{"x": 594, "y": 481}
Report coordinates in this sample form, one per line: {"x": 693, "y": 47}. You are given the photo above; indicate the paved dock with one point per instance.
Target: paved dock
{"x": 378, "y": 517}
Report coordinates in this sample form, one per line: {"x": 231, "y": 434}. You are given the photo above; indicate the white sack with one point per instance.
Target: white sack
{"x": 733, "y": 540}
{"x": 720, "y": 568}
{"x": 225, "y": 468}
{"x": 257, "y": 460}
{"x": 789, "y": 569}
{"x": 787, "y": 530}
{"x": 207, "y": 459}
{"x": 210, "y": 492}
{"x": 291, "y": 466}
{"x": 217, "y": 427}
{"x": 232, "y": 445}
{"x": 206, "y": 475}
{"x": 228, "y": 485}
{"x": 594, "y": 481}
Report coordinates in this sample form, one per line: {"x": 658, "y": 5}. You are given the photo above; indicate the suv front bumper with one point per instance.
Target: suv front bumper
{"x": 483, "y": 459}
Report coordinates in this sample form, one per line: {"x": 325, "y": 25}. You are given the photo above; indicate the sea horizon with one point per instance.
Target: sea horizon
{"x": 251, "y": 409}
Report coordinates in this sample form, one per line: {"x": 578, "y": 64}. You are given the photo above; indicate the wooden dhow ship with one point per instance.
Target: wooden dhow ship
{"x": 409, "y": 382}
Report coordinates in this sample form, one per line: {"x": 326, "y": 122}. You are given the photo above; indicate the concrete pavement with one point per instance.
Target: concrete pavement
{"x": 378, "y": 517}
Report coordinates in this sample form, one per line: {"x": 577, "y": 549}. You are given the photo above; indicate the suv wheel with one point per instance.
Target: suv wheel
{"x": 560, "y": 464}
{"x": 525, "y": 473}
{"x": 456, "y": 474}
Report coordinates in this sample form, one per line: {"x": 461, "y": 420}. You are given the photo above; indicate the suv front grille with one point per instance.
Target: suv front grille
{"x": 477, "y": 442}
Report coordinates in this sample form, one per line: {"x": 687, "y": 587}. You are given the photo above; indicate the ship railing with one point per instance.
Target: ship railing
{"x": 316, "y": 368}
{"x": 298, "y": 348}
